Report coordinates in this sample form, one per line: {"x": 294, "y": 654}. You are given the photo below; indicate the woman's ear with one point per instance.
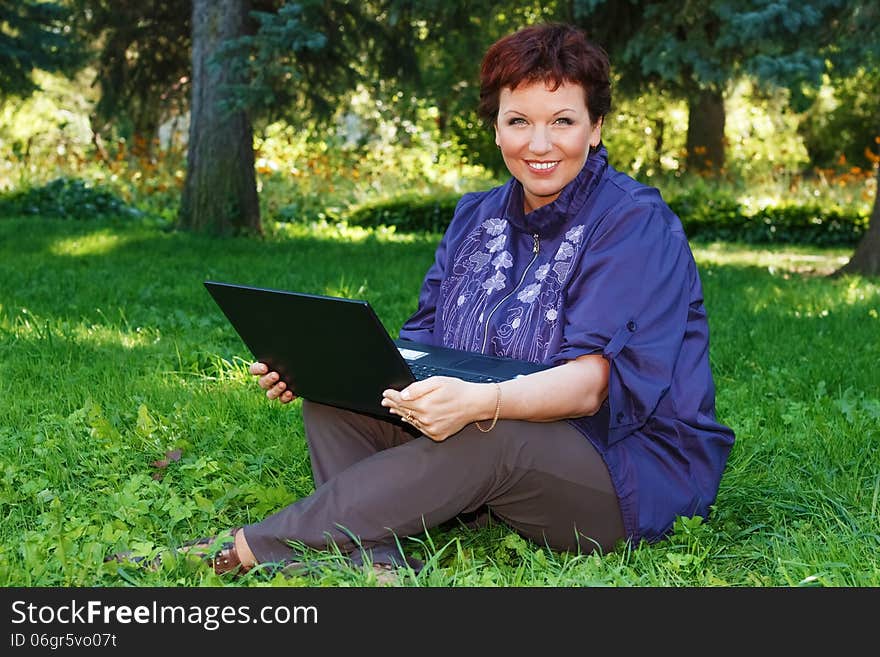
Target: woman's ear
{"x": 596, "y": 135}
{"x": 497, "y": 139}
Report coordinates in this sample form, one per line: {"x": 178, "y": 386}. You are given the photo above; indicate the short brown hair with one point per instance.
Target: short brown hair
{"x": 551, "y": 52}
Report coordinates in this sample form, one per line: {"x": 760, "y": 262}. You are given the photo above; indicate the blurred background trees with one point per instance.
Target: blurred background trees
{"x": 349, "y": 102}
{"x": 34, "y": 35}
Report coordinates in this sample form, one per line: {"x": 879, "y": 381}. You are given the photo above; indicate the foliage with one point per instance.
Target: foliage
{"x": 306, "y": 56}
{"x": 47, "y": 134}
{"x": 720, "y": 217}
{"x": 92, "y": 473}
{"x": 644, "y": 133}
{"x": 34, "y": 35}
{"x": 761, "y": 133}
{"x": 704, "y": 45}
{"x": 842, "y": 127}
{"x": 306, "y": 176}
{"x": 695, "y": 50}
{"x": 707, "y": 214}
{"x": 66, "y": 198}
{"x": 408, "y": 213}
{"x": 140, "y": 55}
{"x": 855, "y": 37}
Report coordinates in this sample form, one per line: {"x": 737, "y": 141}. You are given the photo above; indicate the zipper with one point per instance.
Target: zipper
{"x": 535, "y": 248}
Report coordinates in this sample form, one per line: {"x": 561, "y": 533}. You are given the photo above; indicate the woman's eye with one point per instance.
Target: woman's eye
{"x": 564, "y": 121}
{"x": 516, "y": 121}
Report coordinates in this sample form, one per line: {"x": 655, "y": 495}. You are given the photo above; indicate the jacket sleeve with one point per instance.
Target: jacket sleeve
{"x": 629, "y": 302}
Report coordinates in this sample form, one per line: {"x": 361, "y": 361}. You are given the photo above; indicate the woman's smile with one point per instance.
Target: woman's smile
{"x": 542, "y": 167}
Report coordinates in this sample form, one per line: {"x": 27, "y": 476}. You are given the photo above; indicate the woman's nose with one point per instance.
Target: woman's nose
{"x": 540, "y": 142}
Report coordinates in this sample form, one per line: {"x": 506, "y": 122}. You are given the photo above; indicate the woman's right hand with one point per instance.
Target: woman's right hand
{"x": 271, "y": 383}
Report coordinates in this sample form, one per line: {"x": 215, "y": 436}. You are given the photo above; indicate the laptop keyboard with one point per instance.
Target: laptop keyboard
{"x": 426, "y": 371}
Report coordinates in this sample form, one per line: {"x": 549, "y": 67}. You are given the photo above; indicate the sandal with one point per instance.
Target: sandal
{"x": 217, "y": 551}
{"x": 386, "y": 574}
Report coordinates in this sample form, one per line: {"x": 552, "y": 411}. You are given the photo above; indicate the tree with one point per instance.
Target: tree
{"x": 296, "y": 58}
{"x": 694, "y": 49}
{"x": 866, "y": 259}
{"x": 141, "y": 57}
{"x": 34, "y": 35}
{"x": 220, "y": 191}
{"x": 307, "y": 56}
{"x": 856, "y": 43}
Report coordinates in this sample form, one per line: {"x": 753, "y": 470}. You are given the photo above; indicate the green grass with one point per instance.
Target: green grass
{"x": 112, "y": 354}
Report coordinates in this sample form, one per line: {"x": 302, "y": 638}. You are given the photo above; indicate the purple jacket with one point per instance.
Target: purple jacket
{"x": 605, "y": 269}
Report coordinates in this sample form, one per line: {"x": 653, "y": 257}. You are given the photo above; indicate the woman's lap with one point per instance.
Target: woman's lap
{"x": 545, "y": 480}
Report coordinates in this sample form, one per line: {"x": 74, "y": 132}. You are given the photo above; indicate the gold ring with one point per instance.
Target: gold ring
{"x": 408, "y": 417}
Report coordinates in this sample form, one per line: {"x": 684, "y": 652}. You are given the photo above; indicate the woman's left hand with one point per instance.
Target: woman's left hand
{"x": 441, "y": 405}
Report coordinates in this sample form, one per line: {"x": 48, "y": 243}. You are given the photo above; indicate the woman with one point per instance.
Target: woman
{"x": 569, "y": 263}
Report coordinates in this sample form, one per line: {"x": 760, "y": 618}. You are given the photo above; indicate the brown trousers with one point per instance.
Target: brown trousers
{"x": 375, "y": 482}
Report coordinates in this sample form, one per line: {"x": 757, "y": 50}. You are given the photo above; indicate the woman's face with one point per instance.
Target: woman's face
{"x": 545, "y": 137}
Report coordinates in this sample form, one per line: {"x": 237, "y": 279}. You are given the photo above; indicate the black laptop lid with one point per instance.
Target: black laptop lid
{"x": 306, "y": 338}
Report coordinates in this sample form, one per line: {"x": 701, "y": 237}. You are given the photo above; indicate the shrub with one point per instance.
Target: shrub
{"x": 407, "y": 213}
{"x": 722, "y": 218}
{"x": 67, "y": 198}
{"x": 707, "y": 215}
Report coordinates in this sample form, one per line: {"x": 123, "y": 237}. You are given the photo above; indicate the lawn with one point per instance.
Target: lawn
{"x": 128, "y": 419}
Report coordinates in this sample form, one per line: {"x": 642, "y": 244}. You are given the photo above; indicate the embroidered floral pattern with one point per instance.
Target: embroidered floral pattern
{"x": 479, "y": 260}
{"x": 566, "y": 250}
{"x": 496, "y": 244}
{"x": 501, "y": 297}
{"x": 529, "y": 293}
{"x": 495, "y": 226}
{"x": 575, "y": 234}
{"x": 497, "y": 282}
{"x": 503, "y": 260}
{"x": 561, "y": 269}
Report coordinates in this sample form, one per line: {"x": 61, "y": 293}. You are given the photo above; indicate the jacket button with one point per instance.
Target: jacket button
{"x": 631, "y": 326}
{"x": 620, "y": 417}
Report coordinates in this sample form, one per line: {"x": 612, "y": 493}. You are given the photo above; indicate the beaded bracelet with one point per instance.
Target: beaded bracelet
{"x": 497, "y": 411}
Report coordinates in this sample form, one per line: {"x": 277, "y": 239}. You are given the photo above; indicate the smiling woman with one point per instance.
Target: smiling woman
{"x": 570, "y": 264}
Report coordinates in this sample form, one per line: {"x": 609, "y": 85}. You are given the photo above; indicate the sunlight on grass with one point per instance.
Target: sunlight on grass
{"x": 110, "y": 336}
{"x": 342, "y": 232}
{"x": 98, "y": 243}
{"x": 791, "y": 259}
{"x": 28, "y": 325}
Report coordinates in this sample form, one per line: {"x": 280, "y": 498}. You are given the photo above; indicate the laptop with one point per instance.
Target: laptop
{"x": 336, "y": 351}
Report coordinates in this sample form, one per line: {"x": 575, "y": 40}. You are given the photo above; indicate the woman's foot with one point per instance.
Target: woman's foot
{"x": 220, "y": 552}
{"x": 225, "y": 553}
{"x": 386, "y": 574}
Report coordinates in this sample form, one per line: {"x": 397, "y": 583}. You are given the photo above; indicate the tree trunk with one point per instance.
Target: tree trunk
{"x": 220, "y": 192}
{"x": 866, "y": 259}
{"x": 146, "y": 127}
{"x": 705, "y": 136}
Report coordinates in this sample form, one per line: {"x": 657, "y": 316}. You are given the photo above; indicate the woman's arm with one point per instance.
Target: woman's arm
{"x": 442, "y": 406}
